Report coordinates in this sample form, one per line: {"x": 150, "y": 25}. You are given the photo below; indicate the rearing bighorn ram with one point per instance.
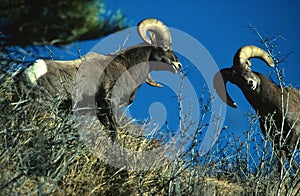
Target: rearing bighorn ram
{"x": 95, "y": 75}
{"x": 278, "y": 108}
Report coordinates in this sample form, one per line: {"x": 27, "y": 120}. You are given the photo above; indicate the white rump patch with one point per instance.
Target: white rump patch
{"x": 35, "y": 71}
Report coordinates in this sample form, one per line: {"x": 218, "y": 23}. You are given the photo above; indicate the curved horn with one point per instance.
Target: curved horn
{"x": 242, "y": 56}
{"x": 151, "y": 82}
{"x": 220, "y": 80}
{"x": 159, "y": 33}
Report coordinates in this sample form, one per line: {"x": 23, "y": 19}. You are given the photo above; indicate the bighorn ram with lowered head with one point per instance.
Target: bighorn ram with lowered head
{"x": 96, "y": 74}
{"x": 278, "y": 108}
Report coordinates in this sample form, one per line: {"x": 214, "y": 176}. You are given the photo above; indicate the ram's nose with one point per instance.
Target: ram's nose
{"x": 177, "y": 67}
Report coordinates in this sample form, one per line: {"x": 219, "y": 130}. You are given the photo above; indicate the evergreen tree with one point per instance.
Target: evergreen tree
{"x": 40, "y": 22}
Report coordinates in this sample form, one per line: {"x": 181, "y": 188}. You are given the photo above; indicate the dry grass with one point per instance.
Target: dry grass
{"x": 41, "y": 153}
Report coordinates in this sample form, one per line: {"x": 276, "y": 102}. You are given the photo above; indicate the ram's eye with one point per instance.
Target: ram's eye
{"x": 172, "y": 58}
{"x": 165, "y": 47}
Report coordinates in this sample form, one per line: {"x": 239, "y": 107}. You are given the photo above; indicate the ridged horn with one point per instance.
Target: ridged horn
{"x": 151, "y": 82}
{"x": 159, "y": 33}
{"x": 220, "y": 80}
{"x": 242, "y": 56}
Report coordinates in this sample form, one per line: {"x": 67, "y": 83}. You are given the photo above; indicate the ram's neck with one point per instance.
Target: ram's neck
{"x": 134, "y": 56}
{"x": 266, "y": 98}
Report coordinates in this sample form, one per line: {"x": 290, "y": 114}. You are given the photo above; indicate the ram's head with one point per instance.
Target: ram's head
{"x": 240, "y": 73}
{"x": 161, "y": 41}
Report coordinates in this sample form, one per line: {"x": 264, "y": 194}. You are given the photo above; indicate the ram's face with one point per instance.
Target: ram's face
{"x": 247, "y": 80}
{"x": 168, "y": 57}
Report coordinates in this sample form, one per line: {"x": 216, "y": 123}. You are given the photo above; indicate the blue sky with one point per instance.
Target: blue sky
{"x": 222, "y": 28}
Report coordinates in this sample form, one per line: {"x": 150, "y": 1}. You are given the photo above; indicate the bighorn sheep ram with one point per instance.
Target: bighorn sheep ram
{"x": 278, "y": 108}
{"x": 95, "y": 74}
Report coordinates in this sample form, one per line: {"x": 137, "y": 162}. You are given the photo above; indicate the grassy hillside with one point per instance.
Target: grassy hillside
{"x": 41, "y": 153}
